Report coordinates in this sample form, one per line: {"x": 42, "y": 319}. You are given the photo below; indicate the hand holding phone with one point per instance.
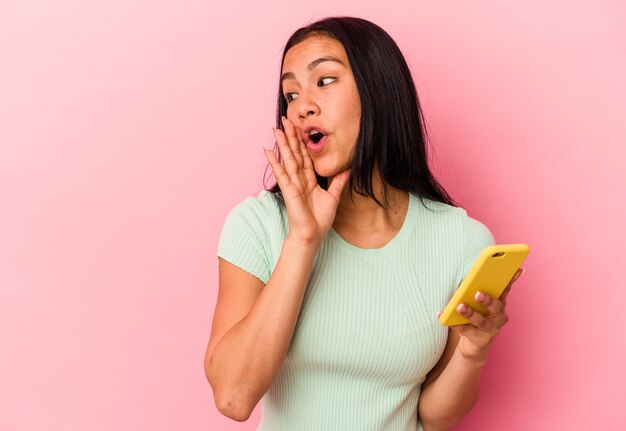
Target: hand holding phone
{"x": 491, "y": 273}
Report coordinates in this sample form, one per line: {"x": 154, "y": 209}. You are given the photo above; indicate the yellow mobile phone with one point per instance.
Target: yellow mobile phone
{"x": 491, "y": 273}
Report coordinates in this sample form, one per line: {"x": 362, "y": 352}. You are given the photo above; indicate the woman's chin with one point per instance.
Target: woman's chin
{"x": 324, "y": 171}
{"x": 327, "y": 171}
{"x": 329, "y": 174}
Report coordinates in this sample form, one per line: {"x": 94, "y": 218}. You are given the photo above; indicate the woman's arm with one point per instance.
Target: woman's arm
{"x": 252, "y": 328}
{"x": 451, "y": 388}
{"x": 253, "y": 324}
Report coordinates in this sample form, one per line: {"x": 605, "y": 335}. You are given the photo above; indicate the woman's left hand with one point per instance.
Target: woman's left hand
{"x": 475, "y": 338}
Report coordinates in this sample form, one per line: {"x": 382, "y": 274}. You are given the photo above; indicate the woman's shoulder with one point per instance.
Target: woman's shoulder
{"x": 436, "y": 211}
{"x": 453, "y": 218}
{"x": 261, "y": 213}
{"x": 253, "y": 233}
{"x": 264, "y": 204}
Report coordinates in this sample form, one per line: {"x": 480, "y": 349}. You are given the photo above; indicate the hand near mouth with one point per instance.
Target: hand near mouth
{"x": 310, "y": 209}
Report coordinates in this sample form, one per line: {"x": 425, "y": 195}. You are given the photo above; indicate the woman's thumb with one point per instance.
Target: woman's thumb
{"x": 338, "y": 183}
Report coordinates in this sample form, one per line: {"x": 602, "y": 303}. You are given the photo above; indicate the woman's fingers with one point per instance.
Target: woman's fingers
{"x": 476, "y": 319}
{"x": 482, "y": 329}
{"x": 517, "y": 275}
{"x": 495, "y": 308}
{"x": 496, "y": 315}
{"x": 338, "y": 183}
{"x": 289, "y": 160}
{"x": 308, "y": 167}
{"x": 280, "y": 174}
{"x": 505, "y": 294}
{"x": 308, "y": 163}
{"x": 293, "y": 139}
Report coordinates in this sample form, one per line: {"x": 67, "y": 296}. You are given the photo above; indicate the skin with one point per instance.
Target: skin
{"x": 323, "y": 93}
{"x": 253, "y": 323}
{"x": 327, "y": 96}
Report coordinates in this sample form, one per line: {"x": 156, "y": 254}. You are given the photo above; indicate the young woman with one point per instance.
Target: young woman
{"x": 330, "y": 282}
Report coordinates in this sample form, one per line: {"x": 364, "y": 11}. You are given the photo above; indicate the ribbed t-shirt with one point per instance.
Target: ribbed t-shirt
{"x": 367, "y": 333}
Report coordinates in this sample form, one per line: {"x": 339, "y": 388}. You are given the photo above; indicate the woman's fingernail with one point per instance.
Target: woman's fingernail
{"x": 523, "y": 271}
{"x": 282, "y": 119}
{"x": 480, "y": 297}
{"x": 461, "y": 308}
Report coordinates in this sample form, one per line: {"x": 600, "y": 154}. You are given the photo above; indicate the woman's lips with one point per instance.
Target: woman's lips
{"x": 316, "y": 148}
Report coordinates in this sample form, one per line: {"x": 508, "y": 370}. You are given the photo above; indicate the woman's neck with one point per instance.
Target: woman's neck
{"x": 363, "y": 213}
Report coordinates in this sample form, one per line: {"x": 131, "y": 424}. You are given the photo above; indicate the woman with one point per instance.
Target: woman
{"x": 330, "y": 282}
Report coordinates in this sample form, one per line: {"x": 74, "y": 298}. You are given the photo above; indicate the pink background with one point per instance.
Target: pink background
{"x": 128, "y": 130}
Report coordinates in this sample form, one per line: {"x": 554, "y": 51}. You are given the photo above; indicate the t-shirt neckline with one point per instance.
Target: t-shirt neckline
{"x": 407, "y": 225}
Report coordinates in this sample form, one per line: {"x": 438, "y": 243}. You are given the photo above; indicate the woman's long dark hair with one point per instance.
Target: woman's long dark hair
{"x": 392, "y": 133}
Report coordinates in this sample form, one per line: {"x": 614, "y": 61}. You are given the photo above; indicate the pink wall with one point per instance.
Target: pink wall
{"x": 128, "y": 131}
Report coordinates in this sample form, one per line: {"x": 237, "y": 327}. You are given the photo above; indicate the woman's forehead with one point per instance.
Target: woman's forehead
{"x": 312, "y": 48}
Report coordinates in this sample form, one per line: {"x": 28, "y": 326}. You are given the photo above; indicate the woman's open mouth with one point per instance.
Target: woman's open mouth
{"x": 316, "y": 136}
{"x": 316, "y": 141}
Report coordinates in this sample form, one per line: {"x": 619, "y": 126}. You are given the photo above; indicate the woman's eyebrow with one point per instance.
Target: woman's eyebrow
{"x": 312, "y": 65}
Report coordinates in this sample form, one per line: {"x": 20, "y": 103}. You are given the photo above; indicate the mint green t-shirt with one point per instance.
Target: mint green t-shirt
{"x": 367, "y": 333}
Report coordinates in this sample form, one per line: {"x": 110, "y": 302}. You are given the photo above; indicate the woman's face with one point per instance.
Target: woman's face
{"x": 322, "y": 96}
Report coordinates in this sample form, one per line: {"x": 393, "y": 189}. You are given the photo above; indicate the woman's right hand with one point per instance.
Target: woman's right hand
{"x": 310, "y": 209}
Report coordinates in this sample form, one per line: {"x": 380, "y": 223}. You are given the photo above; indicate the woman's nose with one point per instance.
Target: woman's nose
{"x": 307, "y": 106}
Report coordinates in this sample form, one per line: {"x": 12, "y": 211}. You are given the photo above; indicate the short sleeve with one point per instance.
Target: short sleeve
{"x": 476, "y": 237}
{"x": 243, "y": 240}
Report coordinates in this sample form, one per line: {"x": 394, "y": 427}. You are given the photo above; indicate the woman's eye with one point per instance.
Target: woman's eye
{"x": 290, "y": 97}
{"x": 325, "y": 81}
